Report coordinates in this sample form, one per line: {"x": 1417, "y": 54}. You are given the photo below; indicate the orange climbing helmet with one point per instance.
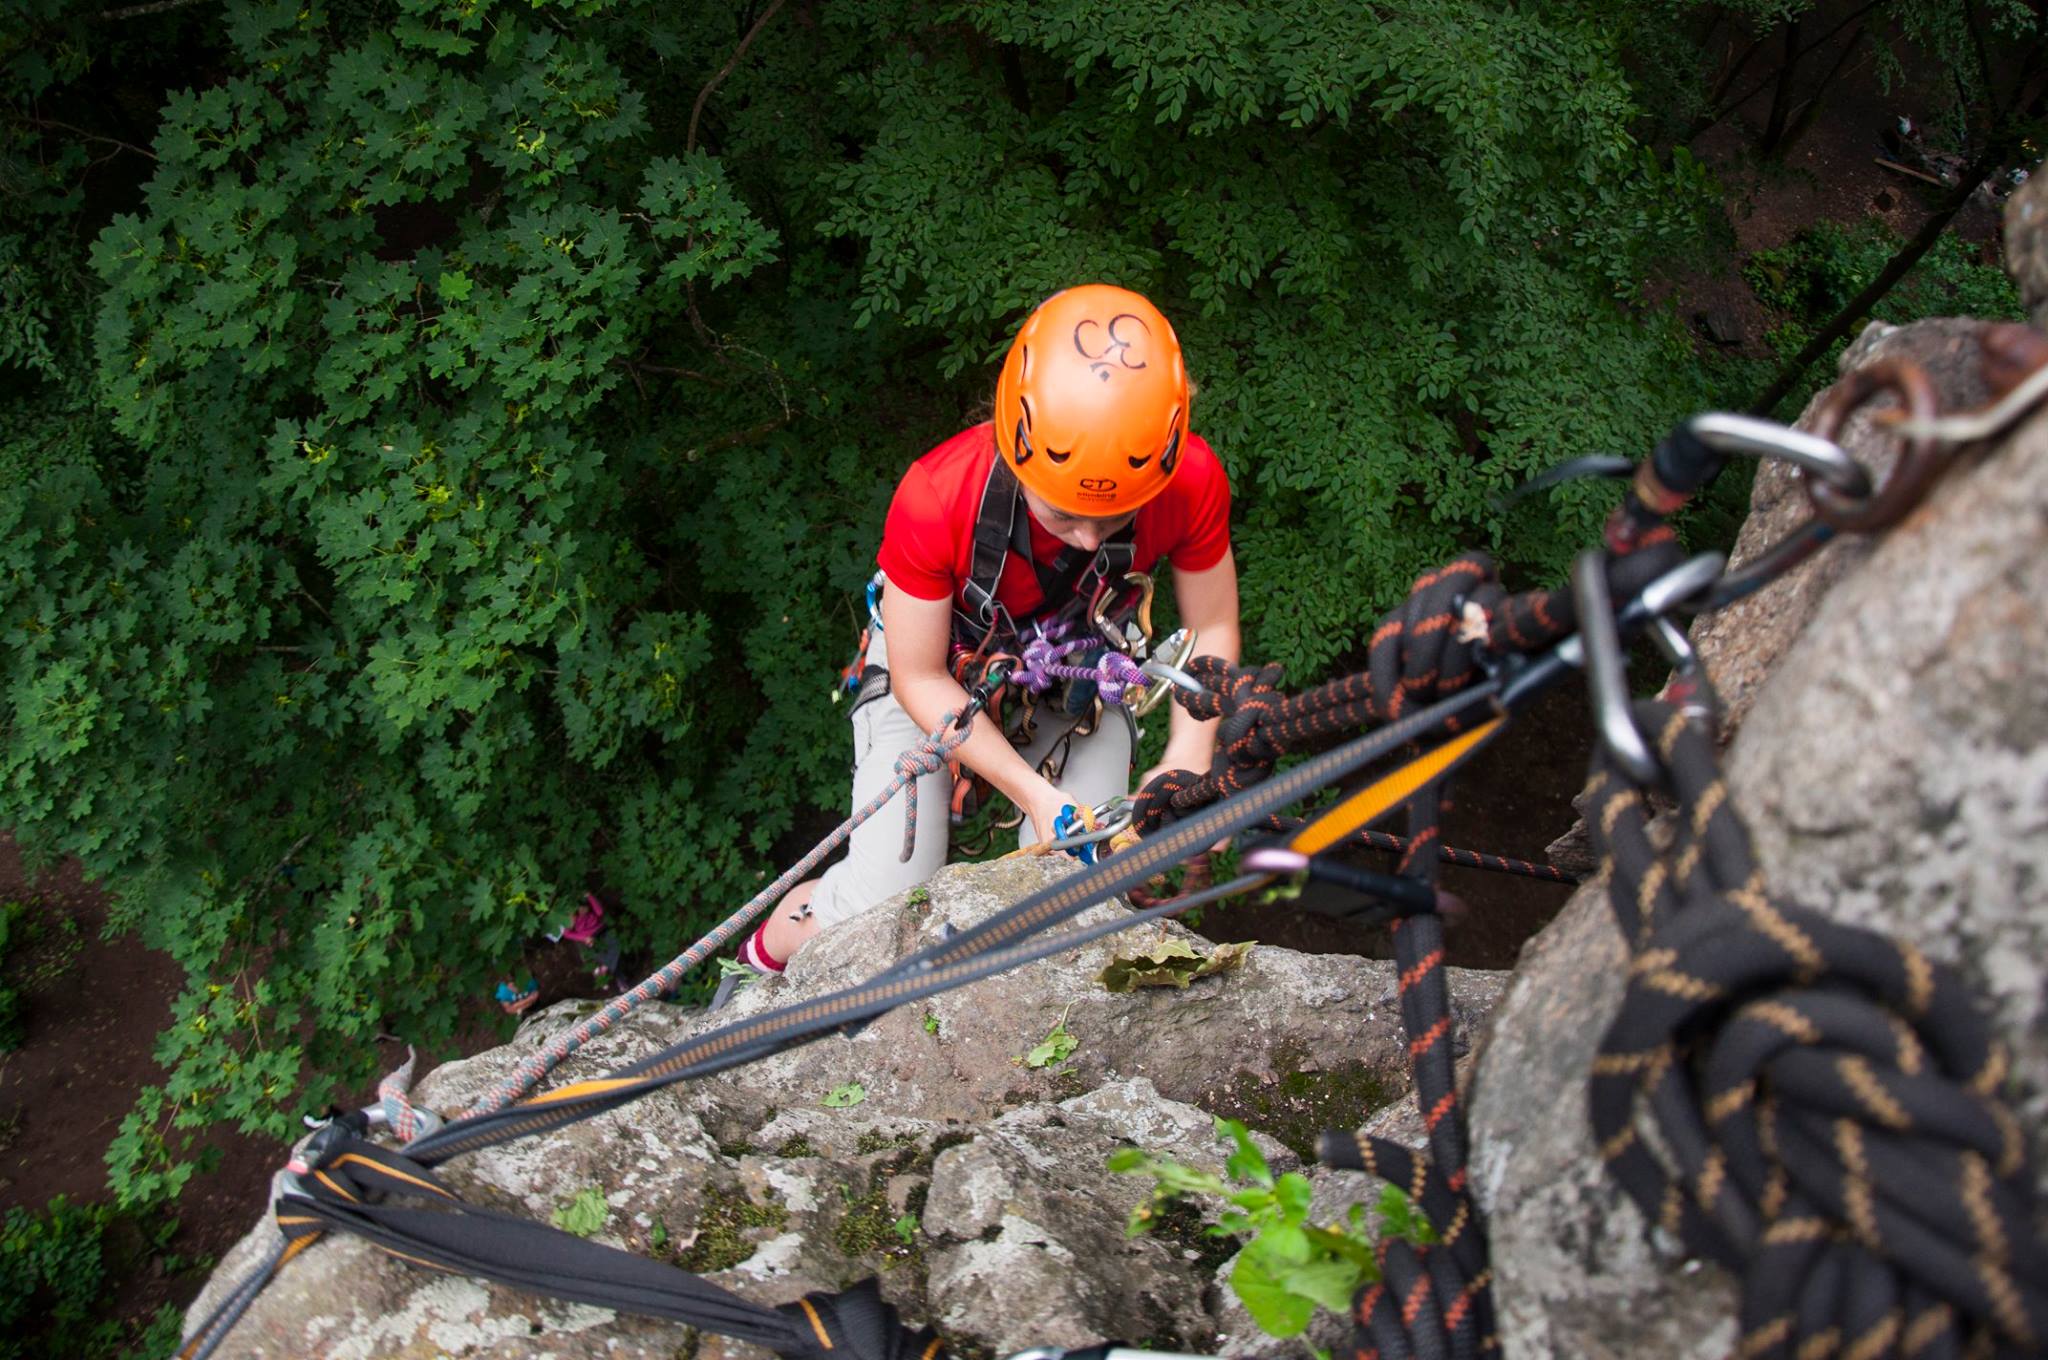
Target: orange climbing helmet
{"x": 1092, "y": 404}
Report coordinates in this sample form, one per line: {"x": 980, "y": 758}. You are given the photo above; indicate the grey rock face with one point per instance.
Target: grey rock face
{"x": 2026, "y": 244}
{"x": 1892, "y": 768}
{"x": 1018, "y": 1235}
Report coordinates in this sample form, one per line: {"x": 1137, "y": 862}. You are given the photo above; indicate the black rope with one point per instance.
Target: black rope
{"x": 1826, "y": 1099}
{"x": 1432, "y": 1300}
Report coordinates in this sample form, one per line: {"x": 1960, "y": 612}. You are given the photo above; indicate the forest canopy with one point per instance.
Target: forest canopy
{"x": 443, "y": 442}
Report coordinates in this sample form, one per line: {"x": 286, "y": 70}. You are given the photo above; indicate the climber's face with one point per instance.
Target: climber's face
{"x": 1076, "y": 531}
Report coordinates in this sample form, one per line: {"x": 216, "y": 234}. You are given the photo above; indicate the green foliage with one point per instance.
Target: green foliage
{"x": 438, "y": 453}
{"x": 1056, "y": 1047}
{"x": 56, "y": 1280}
{"x": 845, "y": 1096}
{"x": 38, "y": 950}
{"x": 1813, "y": 276}
{"x": 584, "y": 1214}
{"x": 1289, "y": 1266}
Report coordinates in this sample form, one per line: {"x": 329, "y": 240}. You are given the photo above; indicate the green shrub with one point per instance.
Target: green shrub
{"x": 446, "y": 486}
{"x": 1810, "y": 278}
{"x": 56, "y": 1284}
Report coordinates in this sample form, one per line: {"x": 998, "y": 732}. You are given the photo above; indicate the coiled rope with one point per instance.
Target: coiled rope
{"x": 1826, "y": 1100}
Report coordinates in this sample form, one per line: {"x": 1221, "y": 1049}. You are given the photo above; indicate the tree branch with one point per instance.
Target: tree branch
{"x": 697, "y": 109}
{"x": 697, "y": 322}
{"x": 91, "y": 136}
{"x": 746, "y": 436}
{"x": 670, "y": 371}
{"x": 109, "y": 16}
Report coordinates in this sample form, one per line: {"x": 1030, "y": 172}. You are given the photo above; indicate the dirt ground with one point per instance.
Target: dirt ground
{"x": 91, "y": 1027}
{"x": 91, "y": 1032}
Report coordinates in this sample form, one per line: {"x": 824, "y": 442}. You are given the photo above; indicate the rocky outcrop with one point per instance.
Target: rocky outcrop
{"x": 2026, "y": 244}
{"x": 1892, "y": 764}
{"x": 973, "y": 1185}
{"x": 1890, "y": 754}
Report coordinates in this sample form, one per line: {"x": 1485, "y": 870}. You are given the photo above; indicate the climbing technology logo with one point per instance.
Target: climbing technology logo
{"x": 1110, "y": 347}
{"x": 1103, "y": 487}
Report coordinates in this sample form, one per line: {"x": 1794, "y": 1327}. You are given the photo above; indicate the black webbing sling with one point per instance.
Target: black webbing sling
{"x": 1002, "y": 527}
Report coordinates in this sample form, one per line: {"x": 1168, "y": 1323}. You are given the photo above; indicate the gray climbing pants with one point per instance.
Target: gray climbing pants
{"x": 1096, "y": 767}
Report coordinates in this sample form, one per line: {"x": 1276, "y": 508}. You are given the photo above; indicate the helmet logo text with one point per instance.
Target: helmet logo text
{"x": 1110, "y": 347}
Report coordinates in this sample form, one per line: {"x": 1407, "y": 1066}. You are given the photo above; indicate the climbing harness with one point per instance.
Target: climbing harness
{"x": 1447, "y": 667}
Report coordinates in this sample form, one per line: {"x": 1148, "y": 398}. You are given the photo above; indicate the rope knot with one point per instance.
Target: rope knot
{"x": 1826, "y": 1097}
{"x": 406, "y": 1120}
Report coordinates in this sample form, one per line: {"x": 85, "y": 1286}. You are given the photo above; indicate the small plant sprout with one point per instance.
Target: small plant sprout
{"x": 1056, "y": 1047}
{"x": 585, "y": 1214}
{"x": 1289, "y": 1266}
{"x": 845, "y": 1097}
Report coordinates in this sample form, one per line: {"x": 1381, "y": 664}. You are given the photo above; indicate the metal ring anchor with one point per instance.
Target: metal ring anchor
{"x": 1607, "y": 673}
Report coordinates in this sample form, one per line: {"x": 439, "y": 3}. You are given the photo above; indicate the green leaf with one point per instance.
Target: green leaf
{"x": 844, "y": 1097}
{"x": 583, "y": 1215}
{"x": 905, "y": 1228}
{"x": 1057, "y": 1046}
{"x": 1171, "y": 962}
{"x": 1246, "y": 1162}
{"x": 1330, "y": 1284}
{"x": 1278, "y": 1310}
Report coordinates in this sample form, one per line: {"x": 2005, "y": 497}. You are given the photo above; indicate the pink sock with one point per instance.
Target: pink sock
{"x": 755, "y": 954}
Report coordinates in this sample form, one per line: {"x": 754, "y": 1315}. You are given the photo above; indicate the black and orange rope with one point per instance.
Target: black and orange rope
{"x": 1433, "y": 1300}
{"x": 1826, "y": 1099}
{"x": 1456, "y": 623}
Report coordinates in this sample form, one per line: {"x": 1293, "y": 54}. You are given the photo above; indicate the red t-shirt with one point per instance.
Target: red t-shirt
{"x": 928, "y": 539}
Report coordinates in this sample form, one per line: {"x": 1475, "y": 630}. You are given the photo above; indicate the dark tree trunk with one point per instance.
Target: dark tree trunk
{"x": 1895, "y": 269}
{"x": 1811, "y": 107}
{"x": 1781, "y": 98}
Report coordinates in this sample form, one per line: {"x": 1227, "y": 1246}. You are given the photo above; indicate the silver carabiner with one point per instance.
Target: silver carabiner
{"x": 1606, "y": 671}
{"x": 1172, "y": 654}
{"x": 1111, "y": 816}
{"x": 1726, "y": 432}
{"x": 1682, "y": 584}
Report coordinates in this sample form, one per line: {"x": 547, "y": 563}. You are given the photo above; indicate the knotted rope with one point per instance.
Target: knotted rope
{"x": 1432, "y": 645}
{"x": 1826, "y": 1099}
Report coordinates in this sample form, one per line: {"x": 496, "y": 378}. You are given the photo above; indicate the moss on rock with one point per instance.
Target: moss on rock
{"x": 1298, "y": 1105}
{"x": 729, "y": 1227}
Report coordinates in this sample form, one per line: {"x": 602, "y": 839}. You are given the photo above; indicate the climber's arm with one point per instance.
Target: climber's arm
{"x": 1207, "y": 601}
{"x": 918, "y": 632}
